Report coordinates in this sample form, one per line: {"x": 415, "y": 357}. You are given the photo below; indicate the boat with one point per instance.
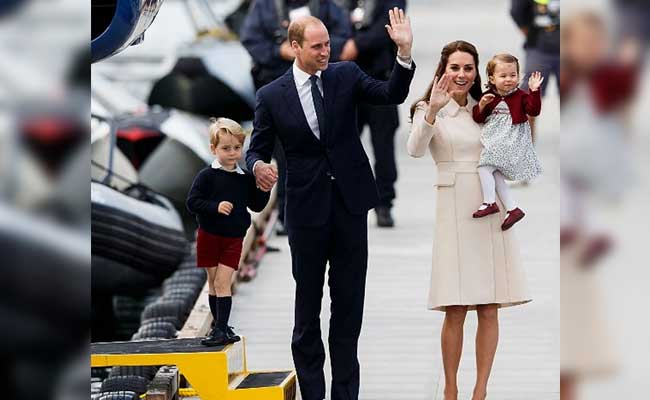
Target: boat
{"x": 138, "y": 228}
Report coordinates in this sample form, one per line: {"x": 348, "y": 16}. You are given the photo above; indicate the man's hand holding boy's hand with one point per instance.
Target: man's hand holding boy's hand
{"x": 265, "y": 175}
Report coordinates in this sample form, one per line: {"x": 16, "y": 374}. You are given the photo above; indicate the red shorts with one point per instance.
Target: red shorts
{"x": 212, "y": 250}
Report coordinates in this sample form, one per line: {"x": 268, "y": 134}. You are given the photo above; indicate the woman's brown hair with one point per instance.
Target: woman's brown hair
{"x": 448, "y": 50}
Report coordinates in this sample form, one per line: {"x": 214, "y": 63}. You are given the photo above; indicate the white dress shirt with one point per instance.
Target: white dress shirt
{"x": 303, "y": 85}
{"x": 217, "y": 165}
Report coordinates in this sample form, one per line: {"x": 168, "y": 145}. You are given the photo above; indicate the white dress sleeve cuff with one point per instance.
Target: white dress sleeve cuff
{"x": 255, "y": 165}
{"x": 407, "y": 65}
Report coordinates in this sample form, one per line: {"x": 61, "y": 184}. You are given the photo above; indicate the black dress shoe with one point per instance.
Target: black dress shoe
{"x": 217, "y": 338}
{"x": 384, "y": 217}
{"x": 231, "y": 335}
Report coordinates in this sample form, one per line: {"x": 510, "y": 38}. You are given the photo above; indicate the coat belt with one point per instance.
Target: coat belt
{"x": 463, "y": 167}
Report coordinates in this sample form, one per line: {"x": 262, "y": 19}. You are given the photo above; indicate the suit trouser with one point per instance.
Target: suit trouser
{"x": 343, "y": 241}
{"x": 383, "y": 122}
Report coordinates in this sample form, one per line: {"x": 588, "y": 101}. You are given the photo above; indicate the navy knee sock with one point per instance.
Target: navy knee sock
{"x": 224, "y": 304}
{"x": 213, "y": 307}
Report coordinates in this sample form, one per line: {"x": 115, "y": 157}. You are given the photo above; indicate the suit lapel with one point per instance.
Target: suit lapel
{"x": 293, "y": 103}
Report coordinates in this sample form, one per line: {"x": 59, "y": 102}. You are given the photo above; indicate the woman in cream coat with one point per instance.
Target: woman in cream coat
{"x": 476, "y": 265}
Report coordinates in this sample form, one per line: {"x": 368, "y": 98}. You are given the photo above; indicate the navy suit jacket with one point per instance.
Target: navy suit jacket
{"x": 278, "y": 112}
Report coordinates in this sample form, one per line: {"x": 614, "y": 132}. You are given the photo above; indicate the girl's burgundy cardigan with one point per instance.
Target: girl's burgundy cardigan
{"x": 612, "y": 86}
{"x": 519, "y": 102}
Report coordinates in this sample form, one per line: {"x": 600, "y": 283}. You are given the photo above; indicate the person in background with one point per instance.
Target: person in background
{"x": 373, "y": 51}
{"x": 539, "y": 21}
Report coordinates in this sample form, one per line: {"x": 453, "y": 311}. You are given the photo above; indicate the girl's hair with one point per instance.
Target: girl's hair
{"x": 225, "y": 126}
{"x": 503, "y": 58}
{"x": 448, "y": 50}
{"x": 586, "y": 18}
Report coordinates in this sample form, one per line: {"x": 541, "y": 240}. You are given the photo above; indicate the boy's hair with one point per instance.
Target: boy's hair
{"x": 225, "y": 126}
{"x": 504, "y": 58}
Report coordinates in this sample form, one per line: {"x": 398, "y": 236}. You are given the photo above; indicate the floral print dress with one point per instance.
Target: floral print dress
{"x": 508, "y": 147}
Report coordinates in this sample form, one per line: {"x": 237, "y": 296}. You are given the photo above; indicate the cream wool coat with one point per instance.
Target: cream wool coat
{"x": 587, "y": 348}
{"x": 474, "y": 261}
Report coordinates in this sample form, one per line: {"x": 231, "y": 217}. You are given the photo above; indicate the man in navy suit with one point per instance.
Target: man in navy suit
{"x": 312, "y": 109}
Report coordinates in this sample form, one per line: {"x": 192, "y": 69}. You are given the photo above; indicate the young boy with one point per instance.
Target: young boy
{"x": 219, "y": 197}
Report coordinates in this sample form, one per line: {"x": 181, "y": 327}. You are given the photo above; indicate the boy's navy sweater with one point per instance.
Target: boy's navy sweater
{"x": 212, "y": 186}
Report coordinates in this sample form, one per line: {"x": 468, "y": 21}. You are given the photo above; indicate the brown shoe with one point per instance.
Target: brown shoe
{"x": 490, "y": 209}
{"x": 512, "y": 218}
